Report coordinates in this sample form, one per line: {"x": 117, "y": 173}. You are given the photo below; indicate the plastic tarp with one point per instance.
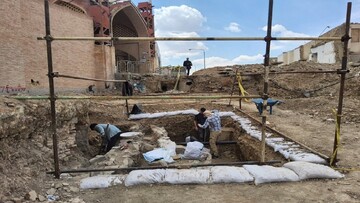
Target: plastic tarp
{"x": 187, "y": 176}
{"x": 268, "y": 174}
{"x": 138, "y": 177}
{"x": 230, "y": 174}
{"x": 193, "y": 150}
{"x": 307, "y": 170}
{"x": 102, "y": 181}
{"x": 158, "y": 154}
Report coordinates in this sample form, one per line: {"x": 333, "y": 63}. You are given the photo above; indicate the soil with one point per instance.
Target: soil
{"x": 305, "y": 115}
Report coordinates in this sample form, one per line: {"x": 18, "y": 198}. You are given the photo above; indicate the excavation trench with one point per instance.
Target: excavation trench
{"x": 235, "y": 145}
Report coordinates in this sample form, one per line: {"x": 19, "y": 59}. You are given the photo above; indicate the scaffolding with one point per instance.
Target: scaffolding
{"x": 265, "y": 95}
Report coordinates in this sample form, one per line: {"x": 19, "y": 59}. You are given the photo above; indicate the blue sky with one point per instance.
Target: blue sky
{"x": 240, "y": 18}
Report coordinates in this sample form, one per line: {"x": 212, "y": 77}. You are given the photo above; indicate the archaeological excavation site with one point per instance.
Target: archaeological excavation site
{"x": 90, "y": 113}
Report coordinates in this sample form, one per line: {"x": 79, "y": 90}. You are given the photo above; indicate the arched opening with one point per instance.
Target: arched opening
{"x": 131, "y": 56}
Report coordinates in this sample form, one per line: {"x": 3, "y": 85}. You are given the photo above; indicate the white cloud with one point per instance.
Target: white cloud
{"x": 233, "y": 27}
{"x": 281, "y": 31}
{"x": 178, "y": 21}
{"x": 246, "y": 59}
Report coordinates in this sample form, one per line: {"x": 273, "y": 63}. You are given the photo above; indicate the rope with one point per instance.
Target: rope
{"x": 242, "y": 89}
{"x": 337, "y": 138}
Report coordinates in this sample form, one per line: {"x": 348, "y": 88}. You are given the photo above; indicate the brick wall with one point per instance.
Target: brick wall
{"x": 23, "y": 57}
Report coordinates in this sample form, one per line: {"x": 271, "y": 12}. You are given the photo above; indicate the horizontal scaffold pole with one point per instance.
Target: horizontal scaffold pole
{"x": 84, "y": 78}
{"x": 191, "y": 38}
{"x": 132, "y": 97}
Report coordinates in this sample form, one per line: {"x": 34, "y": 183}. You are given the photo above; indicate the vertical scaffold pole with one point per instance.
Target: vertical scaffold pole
{"x": 345, "y": 39}
{"x": 266, "y": 79}
{"x": 51, "y": 87}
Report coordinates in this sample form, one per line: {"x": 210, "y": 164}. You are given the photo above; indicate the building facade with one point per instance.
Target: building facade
{"x": 326, "y": 51}
{"x": 24, "y": 58}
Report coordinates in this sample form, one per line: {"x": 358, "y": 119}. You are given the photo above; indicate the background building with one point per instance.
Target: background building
{"x": 23, "y": 57}
{"x": 326, "y": 51}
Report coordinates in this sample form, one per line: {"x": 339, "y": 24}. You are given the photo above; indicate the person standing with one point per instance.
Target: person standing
{"x": 187, "y": 64}
{"x": 110, "y": 134}
{"x": 213, "y": 120}
{"x": 200, "y": 118}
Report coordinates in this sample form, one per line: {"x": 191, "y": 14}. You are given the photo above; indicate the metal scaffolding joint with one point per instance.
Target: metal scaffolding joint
{"x": 346, "y": 37}
{"x": 342, "y": 71}
{"x": 48, "y": 38}
{"x": 265, "y": 97}
{"x": 269, "y": 38}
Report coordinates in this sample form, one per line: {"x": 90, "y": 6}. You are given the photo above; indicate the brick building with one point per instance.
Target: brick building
{"x": 24, "y": 58}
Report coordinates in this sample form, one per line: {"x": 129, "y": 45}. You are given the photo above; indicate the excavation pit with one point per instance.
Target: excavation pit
{"x": 234, "y": 143}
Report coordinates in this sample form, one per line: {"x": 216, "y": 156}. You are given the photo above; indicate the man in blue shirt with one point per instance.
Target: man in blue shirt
{"x": 110, "y": 134}
{"x": 213, "y": 120}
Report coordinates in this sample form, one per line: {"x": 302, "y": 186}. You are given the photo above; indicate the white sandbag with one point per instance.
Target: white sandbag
{"x": 267, "y": 174}
{"x": 102, "y": 181}
{"x": 190, "y": 111}
{"x": 138, "y": 116}
{"x": 226, "y": 113}
{"x": 230, "y": 174}
{"x": 157, "y": 115}
{"x": 193, "y": 150}
{"x": 187, "y": 176}
{"x": 307, "y": 157}
{"x": 306, "y": 170}
{"x": 138, "y": 177}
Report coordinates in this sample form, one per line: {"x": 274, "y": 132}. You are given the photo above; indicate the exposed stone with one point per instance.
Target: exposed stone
{"x": 76, "y": 200}
{"x": 74, "y": 189}
{"x": 147, "y": 147}
{"x": 180, "y": 149}
{"x": 41, "y": 198}
{"x": 51, "y": 191}
{"x": 58, "y": 185}
{"x": 16, "y": 200}
{"x": 32, "y": 195}
{"x": 97, "y": 158}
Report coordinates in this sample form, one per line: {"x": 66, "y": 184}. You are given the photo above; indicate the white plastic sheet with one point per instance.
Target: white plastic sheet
{"x": 230, "y": 174}
{"x": 267, "y": 174}
{"x": 158, "y": 154}
{"x": 307, "y": 170}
